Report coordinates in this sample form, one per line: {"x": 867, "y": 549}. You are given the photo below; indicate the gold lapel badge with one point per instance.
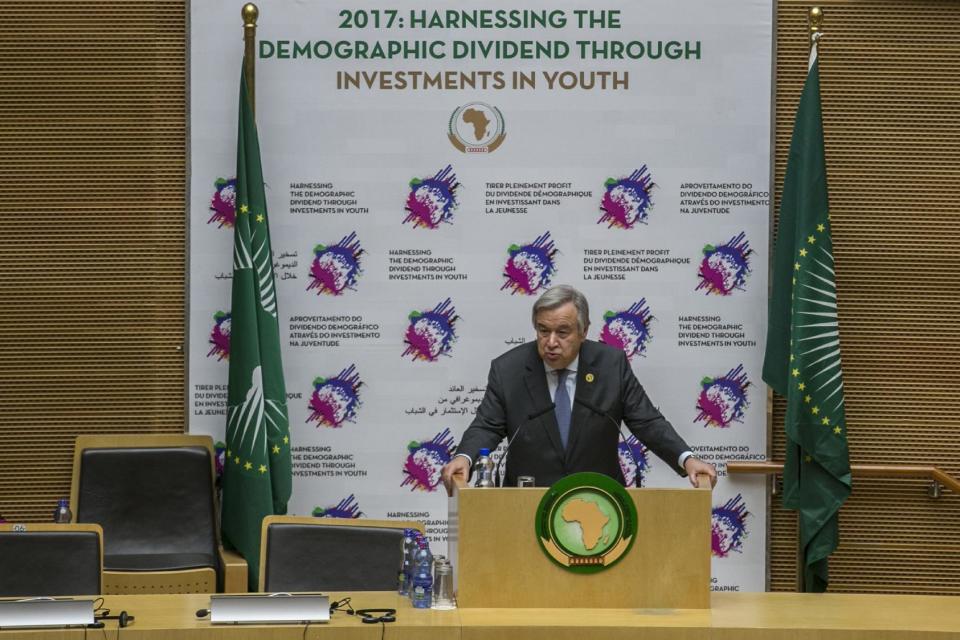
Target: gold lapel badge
{"x": 588, "y": 377}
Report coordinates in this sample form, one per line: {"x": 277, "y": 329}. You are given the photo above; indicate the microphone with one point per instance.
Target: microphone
{"x": 530, "y": 418}
{"x": 619, "y": 426}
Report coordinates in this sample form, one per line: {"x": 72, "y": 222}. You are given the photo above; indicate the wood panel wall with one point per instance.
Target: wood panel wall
{"x": 92, "y": 244}
{"x": 890, "y": 84}
{"x": 93, "y": 254}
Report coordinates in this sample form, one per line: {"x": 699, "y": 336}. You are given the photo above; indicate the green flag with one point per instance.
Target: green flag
{"x": 256, "y": 473}
{"x": 802, "y": 360}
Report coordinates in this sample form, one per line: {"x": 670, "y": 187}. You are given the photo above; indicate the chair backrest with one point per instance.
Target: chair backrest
{"x": 154, "y": 497}
{"x": 330, "y": 554}
{"x": 50, "y": 560}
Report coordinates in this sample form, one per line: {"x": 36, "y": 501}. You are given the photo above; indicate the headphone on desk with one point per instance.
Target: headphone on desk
{"x": 123, "y": 619}
{"x": 373, "y": 616}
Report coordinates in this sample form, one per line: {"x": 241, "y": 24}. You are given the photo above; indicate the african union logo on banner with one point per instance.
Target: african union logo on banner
{"x": 477, "y": 128}
{"x": 586, "y": 522}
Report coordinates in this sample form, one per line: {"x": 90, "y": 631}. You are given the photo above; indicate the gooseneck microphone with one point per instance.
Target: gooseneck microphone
{"x": 619, "y": 426}
{"x": 530, "y": 418}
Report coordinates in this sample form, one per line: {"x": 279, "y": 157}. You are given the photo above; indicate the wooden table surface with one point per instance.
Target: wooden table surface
{"x": 733, "y": 616}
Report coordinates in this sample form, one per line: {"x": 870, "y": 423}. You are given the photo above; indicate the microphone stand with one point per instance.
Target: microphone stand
{"x": 619, "y": 426}
{"x": 530, "y": 418}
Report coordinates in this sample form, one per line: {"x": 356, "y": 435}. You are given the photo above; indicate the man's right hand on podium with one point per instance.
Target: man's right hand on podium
{"x": 455, "y": 473}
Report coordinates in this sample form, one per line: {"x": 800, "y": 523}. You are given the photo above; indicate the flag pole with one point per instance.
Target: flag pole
{"x": 250, "y": 13}
{"x": 815, "y": 19}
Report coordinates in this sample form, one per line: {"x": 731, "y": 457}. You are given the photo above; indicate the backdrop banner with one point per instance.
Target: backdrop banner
{"x": 431, "y": 168}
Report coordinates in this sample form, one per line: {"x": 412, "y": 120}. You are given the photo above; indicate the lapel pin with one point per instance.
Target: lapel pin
{"x": 588, "y": 377}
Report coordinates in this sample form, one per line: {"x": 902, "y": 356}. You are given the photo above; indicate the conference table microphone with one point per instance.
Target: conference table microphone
{"x": 530, "y": 418}
{"x": 619, "y": 426}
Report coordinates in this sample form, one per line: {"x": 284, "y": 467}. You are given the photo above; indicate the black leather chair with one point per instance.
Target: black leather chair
{"x": 50, "y": 560}
{"x": 154, "y": 497}
{"x": 330, "y": 554}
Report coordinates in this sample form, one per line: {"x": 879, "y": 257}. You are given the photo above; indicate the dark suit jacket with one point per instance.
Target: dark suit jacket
{"x": 517, "y": 390}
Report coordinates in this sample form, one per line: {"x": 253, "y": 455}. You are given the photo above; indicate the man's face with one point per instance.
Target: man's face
{"x": 558, "y": 337}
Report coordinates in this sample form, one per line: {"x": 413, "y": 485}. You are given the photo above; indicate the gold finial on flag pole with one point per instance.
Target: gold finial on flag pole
{"x": 816, "y": 22}
{"x": 250, "y": 13}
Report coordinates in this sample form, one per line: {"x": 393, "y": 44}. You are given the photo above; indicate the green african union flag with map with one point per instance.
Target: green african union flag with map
{"x": 802, "y": 360}
{"x": 257, "y": 474}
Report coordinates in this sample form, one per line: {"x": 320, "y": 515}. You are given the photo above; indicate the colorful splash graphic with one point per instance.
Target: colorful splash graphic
{"x": 424, "y": 461}
{"x": 530, "y": 266}
{"x": 220, "y": 336}
{"x": 633, "y": 460}
{"x": 335, "y": 400}
{"x": 628, "y": 330}
{"x": 219, "y": 457}
{"x": 336, "y": 268}
{"x": 627, "y": 201}
{"x": 431, "y": 334}
{"x": 723, "y": 400}
{"x": 346, "y": 508}
{"x": 432, "y": 201}
{"x": 724, "y": 269}
{"x": 224, "y": 203}
{"x": 728, "y": 527}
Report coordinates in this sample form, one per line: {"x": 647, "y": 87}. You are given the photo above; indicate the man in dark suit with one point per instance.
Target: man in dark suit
{"x": 563, "y": 399}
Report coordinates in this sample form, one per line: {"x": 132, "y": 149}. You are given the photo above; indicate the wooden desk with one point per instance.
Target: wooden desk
{"x": 733, "y": 616}
{"x": 173, "y": 617}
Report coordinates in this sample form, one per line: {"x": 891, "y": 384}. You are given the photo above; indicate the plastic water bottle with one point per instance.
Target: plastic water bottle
{"x": 485, "y": 469}
{"x": 421, "y": 589}
{"x": 406, "y": 568}
{"x": 63, "y": 515}
{"x": 410, "y": 561}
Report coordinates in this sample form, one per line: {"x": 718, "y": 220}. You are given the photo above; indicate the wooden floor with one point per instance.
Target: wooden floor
{"x": 733, "y": 616}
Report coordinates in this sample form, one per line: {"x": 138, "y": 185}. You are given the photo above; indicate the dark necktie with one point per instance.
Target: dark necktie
{"x": 562, "y": 406}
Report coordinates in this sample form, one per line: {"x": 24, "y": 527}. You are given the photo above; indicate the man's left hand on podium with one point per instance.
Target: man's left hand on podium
{"x": 693, "y": 467}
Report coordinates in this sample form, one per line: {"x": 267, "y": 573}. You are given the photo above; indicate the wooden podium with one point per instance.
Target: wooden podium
{"x": 498, "y": 561}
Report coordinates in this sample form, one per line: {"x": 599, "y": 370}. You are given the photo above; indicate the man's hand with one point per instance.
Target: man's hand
{"x": 693, "y": 466}
{"x": 457, "y": 471}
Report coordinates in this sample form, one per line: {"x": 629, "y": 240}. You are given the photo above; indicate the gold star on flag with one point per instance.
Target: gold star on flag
{"x": 801, "y": 386}
{"x": 803, "y": 253}
{"x": 792, "y": 357}
{"x": 794, "y": 282}
{"x": 236, "y": 460}
{"x": 807, "y": 398}
{"x": 796, "y": 372}
{"x": 286, "y": 440}
{"x": 815, "y": 410}
{"x": 247, "y": 465}
{"x": 807, "y": 459}
{"x": 229, "y": 453}
{"x": 263, "y": 468}
{"x": 276, "y": 449}
{"x": 837, "y": 430}
{"x": 811, "y": 239}
{"x": 259, "y": 217}
{"x": 820, "y": 228}
{"x": 244, "y": 208}
{"x": 796, "y": 266}
{"x": 826, "y": 421}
